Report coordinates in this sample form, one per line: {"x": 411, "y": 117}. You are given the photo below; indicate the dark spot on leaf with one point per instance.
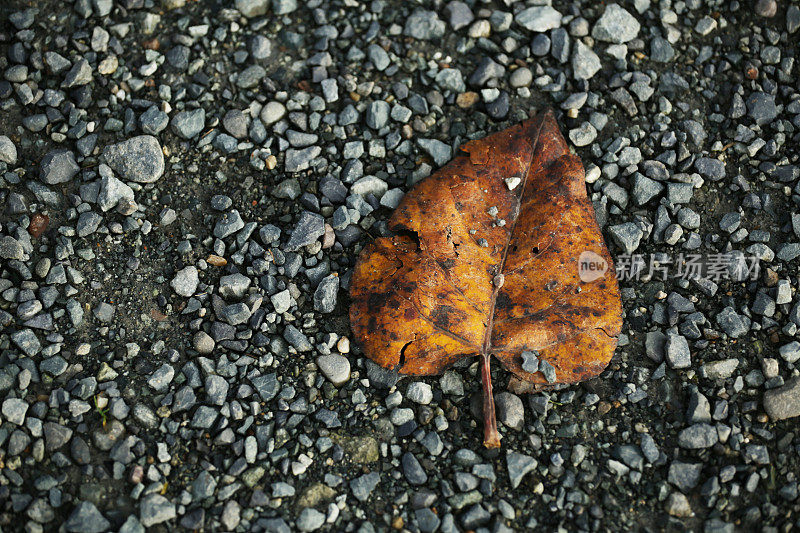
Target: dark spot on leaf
{"x": 376, "y": 299}
{"x": 503, "y": 301}
{"x": 441, "y": 316}
{"x": 447, "y": 264}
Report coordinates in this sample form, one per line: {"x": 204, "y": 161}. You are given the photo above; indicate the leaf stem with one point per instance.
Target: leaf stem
{"x": 491, "y": 438}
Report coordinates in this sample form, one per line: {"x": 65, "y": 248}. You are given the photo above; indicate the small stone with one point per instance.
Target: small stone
{"x": 661, "y": 51}
{"x": 649, "y": 448}
{"x": 439, "y": 151}
{"x": 377, "y": 115}
{"x": 335, "y": 367}
{"x": 677, "y": 351}
{"x": 161, "y": 378}
{"x": 510, "y": 410}
{"x": 683, "y": 475}
{"x": 55, "y": 435}
{"x": 260, "y": 47}
{"x": 233, "y": 286}
{"x": 583, "y": 135}
{"x": 522, "y": 77}
{"x": 281, "y": 301}
{"x": 585, "y": 63}
{"x": 711, "y": 168}
{"x": 698, "y": 436}
{"x": 412, "y": 470}
{"x": 186, "y": 281}
{"x": 85, "y": 518}
{"x": 11, "y": 248}
{"x": 235, "y": 314}
{"x": 14, "y": 410}
{"x": 616, "y": 25}
{"x": 79, "y": 74}
{"x": 299, "y": 160}
{"x": 231, "y": 515}
{"x": 419, "y": 392}
{"x": 450, "y": 79}
{"x": 272, "y": 112}
{"x": 486, "y": 70}
{"x": 541, "y": 44}
{"x": 187, "y": 124}
{"x": 379, "y": 57}
{"x": 793, "y": 18}
{"x": 8, "y": 151}
{"x": 308, "y": 229}
{"x": 87, "y": 223}
{"x": 153, "y": 121}
{"x": 138, "y": 159}
{"x": 252, "y": 8}
{"x": 783, "y": 292}
{"x": 283, "y": 7}
{"x": 250, "y": 77}
{"x": 783, "y": 402}
{"x": 26, "y": 340}
{"x": 228, "y": 224}
{"x": 677, "y": 504}
{"x": 722, "y": 369}
{"x": 699, "y": 409}
{"x": 310, "y": 519}
{"x": 459, "y": 14}
{"x": 732, "y": 323}
{"x": 236, "y": 123}
{"x": 645, "y": 189}
{"x": 203, "y": 343}
{"x": 627, "y": 236}
{"x": 761, "y": 107}
{"x": 790, "y": 352}
{"x": 519, "y": 465}
{"x": 58, "y": 166}
{"x": 513, "y": 182}
{"x": 216, "y": 389}
{"x": 104, "y": 312}
{"x": 424, "y": 25}
{"x": 705, "y": 25}
{"x": 539, "y": 18}
{"x": 452, "y": 384}
{"x": 112, "y": 190}
{"x": 480, "y": 29}
{"x": 766, "y": 8}
{"x": 266, "y": 386}
{"x": 155, "y": 509}
{"x": 363, "y": 486}
{"x": 548, "y": 371}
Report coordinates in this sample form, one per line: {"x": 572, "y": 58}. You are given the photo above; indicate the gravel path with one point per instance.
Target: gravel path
{"x": 185, "y": 186}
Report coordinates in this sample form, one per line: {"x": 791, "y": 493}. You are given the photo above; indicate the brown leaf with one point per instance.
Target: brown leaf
{"x": 484, "y": 262}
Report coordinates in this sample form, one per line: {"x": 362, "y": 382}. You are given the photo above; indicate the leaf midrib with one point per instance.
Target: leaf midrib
{"x": 486, "y": 347}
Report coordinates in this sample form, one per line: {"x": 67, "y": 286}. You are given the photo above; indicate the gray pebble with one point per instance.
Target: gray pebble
{"x": 186, "y": 281}
{"x": 138, "y": 159}
{"x": 58, "y": 166}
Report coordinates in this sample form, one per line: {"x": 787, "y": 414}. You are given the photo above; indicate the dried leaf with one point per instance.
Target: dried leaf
{"x": 484, "y": 261}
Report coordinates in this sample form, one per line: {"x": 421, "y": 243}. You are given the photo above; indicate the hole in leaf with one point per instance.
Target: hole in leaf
{"x": 403, "y": 231}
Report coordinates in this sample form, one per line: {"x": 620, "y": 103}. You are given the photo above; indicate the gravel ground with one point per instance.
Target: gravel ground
{"x": 185, "y": 186}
